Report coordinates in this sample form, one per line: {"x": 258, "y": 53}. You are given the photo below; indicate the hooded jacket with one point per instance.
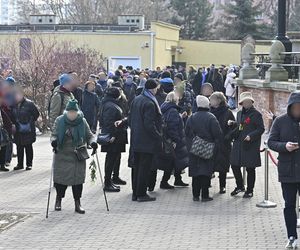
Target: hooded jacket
{"x": 286, "y": 129}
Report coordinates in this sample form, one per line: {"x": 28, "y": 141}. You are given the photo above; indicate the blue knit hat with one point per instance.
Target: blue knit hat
{"x": 64, "y": 79}
{"x": 167, "y": 80}
{"x": 10, "y": 80}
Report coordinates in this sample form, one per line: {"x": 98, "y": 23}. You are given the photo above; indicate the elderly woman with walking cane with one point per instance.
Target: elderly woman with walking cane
{"x": 70, "y": 136}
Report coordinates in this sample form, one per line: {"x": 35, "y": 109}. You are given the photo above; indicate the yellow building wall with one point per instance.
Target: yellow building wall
{"x": 108, "y": 44}
{"x": 204, "y": 53}
{"x": 165, "y": 42}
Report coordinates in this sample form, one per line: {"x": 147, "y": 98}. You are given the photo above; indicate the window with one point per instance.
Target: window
{"x": 128, "y": 21}
{"x": 132, "y": 20}
{"x": 50, "y": 20}
{"x": 25, "y": 49}
{"x": 137, "y": 20}
{"x": 40, "y": 20}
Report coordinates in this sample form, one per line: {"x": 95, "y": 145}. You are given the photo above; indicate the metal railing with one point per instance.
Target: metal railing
{"x": 68, "y": 27}
{"x": 263, "y": 63}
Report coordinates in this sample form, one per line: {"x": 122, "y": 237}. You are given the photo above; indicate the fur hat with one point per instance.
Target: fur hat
{"x": 113, "y": 92}
{"x": 202, "y": 102}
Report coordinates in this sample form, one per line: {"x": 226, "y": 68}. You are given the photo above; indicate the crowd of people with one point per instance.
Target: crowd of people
{"x": 177, "y": 119}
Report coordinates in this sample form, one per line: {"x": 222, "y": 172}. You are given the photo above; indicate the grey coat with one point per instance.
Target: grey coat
{"x": 67, "y": 170}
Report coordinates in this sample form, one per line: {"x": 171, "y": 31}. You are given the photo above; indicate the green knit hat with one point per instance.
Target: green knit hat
{"x": 72, "y": 105}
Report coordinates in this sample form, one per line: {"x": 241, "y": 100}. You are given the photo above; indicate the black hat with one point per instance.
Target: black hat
{"x": 113, "y": 92}
{"x": 151, "y": 84}
{"x": 166, "y": 74}
{"x": 179, "y": 76}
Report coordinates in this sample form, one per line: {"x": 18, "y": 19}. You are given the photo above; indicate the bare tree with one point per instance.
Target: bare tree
{"x": 45, "y": 59}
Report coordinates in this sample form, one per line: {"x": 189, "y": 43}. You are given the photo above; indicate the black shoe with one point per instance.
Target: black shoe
{"x": 166, "y": 185}
{"x": 180, "y": 183}
{"x": 78, "y": 208}
{"x": 196, "y": 199}
{"x": 237, "y": 191}
{"x": 111, "y": 188}
{"x": 57, "y": 204}
{"x": 248, "y": 195}
{"x": 18, "y": 167}
{"x": 116, "y": 186}
{"x": 222, "y": 190}
{"x": 29, "y": 168}
{"x": 134, "y": 198}
{"x": 207, "y": 199}
{"x": 4, "y": 169}
{"x": 145, "y": 198}
{"x": 118, "y": 181}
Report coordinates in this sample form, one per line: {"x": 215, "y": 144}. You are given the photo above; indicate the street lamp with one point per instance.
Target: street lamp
{"x": 281, "y": 34}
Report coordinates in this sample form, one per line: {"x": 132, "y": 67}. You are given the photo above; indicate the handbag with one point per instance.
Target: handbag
{"x": 82, "y": 153}
{"x": 202, "y": 148}
{"x": 104, "y": 139}
{"x": 24, "y": 128}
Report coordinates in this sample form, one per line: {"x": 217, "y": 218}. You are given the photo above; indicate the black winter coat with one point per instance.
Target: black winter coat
{"x": 112, "y": 112}
{"x": 90, "y": 108}
{"x": 247, "y": 154}
{"x": 223, "y": 149}
{"x": 286, "y": 129}
{"x": 145, "y": 121}
{"x": 205, "y": 125}
{"x": 174, "y": 131}
{"x": 25, "y": 112}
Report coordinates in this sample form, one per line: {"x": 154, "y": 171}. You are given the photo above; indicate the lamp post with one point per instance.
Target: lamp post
{"x": 281, "y": 34}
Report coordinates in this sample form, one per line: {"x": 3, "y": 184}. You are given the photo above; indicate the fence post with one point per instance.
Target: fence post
{"x": 266, "y": 203}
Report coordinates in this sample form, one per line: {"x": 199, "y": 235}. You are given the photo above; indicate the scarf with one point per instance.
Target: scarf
{"x": 77, "y": 129}
{"x": 148, "y": 94}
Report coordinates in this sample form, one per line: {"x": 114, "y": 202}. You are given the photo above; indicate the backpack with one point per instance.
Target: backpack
{"x": 62, "y": 96}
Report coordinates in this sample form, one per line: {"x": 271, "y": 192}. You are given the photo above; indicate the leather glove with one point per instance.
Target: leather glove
{"x": 94, "y": 146}
{"x": 54, "y": 146}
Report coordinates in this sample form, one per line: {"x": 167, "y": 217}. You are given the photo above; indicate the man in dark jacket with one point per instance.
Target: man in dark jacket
{"x": 146, "y": 138}
{"x": 284, "y": 139}
{"x": 246, "y": 145}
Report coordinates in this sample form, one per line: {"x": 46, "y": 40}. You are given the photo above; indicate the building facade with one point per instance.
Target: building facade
{"x": 9, "y": 12}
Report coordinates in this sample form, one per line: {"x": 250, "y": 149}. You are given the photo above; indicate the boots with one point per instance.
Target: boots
{"x": 58, "y": 204}
{"x": 118, "y": 181}
{"x": 78, "y": 208}
{"x": 4, "y": 169}
{"x": 165, "y": 185}
{"x": 109, "y": 187}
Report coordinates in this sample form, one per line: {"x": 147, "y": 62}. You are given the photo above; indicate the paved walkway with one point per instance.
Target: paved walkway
{"x": 174, "y": 221}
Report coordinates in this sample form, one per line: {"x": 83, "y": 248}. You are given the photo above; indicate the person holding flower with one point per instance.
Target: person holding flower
{"x": 247, "y": 132}
{"x": 70, "y": 135}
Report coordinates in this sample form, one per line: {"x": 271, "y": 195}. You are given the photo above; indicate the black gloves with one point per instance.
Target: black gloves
{"x": 94, "y": 146}
{"x": 54, "y": 146}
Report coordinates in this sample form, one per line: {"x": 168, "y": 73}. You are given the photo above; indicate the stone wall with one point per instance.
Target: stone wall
{"x": 268, "y": 96}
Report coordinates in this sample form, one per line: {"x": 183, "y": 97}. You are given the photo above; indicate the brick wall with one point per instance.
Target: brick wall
{"x": 268, "y": 99}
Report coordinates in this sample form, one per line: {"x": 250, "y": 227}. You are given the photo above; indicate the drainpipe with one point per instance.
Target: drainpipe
{"x": 151, "y": 49}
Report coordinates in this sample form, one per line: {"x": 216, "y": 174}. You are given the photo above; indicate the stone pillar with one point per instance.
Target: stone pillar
{"x": 248, "y": 70}
{"x": 277, "y": 72}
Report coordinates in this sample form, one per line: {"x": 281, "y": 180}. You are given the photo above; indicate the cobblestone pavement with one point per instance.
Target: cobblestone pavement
{"x": 174, "y": 221}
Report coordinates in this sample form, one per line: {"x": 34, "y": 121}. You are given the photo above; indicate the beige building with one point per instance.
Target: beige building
{"x": 157, "y": 45}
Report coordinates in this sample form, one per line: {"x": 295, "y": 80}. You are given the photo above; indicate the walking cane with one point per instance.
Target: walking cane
{"x": 99, "y": 169}
{"x": 50, "y": 187}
